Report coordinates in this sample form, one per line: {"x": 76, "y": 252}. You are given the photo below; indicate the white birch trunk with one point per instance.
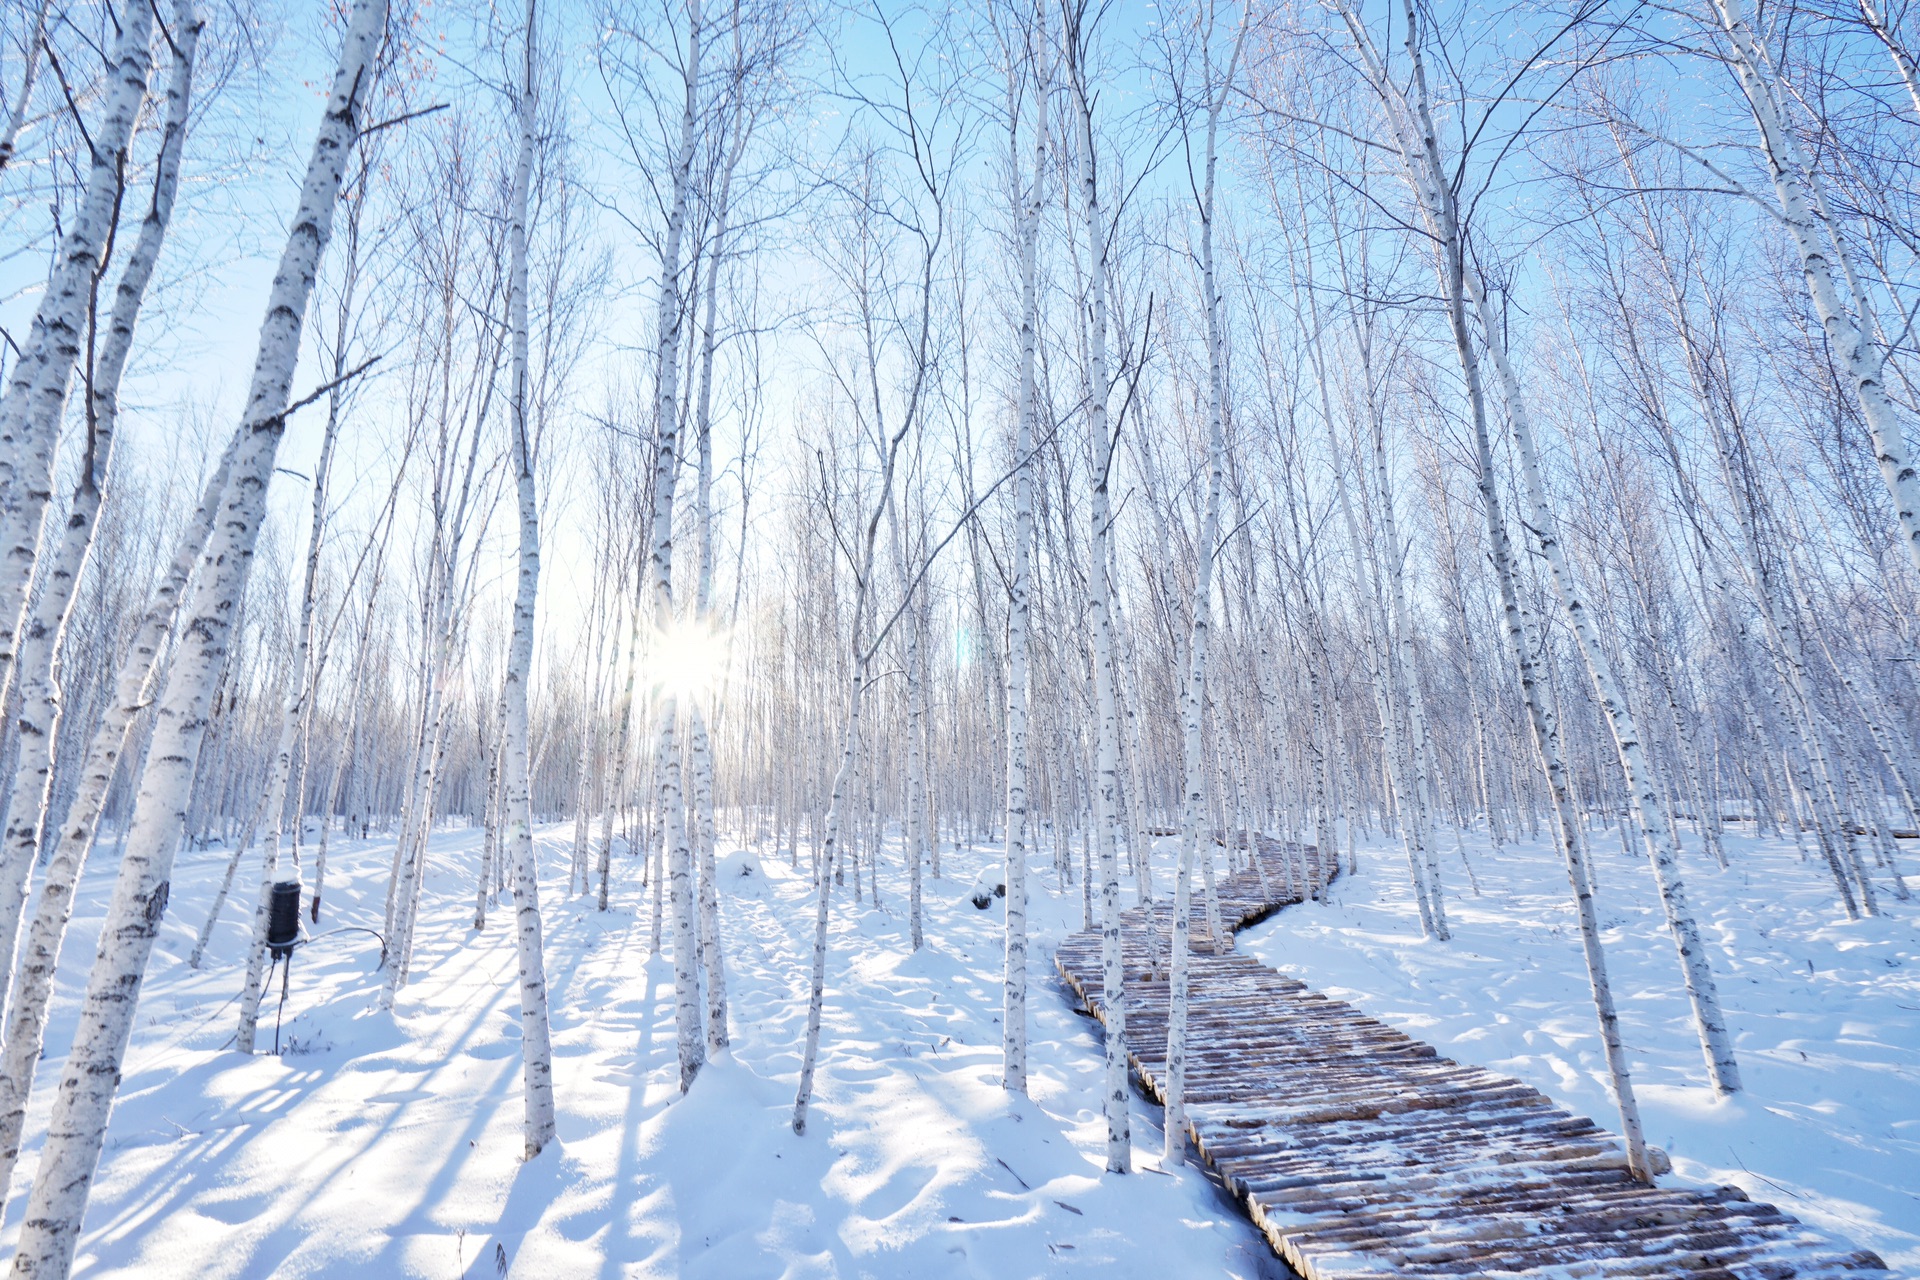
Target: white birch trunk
{"x": 38, "y": 722}
{"x": 1019, "y": 607}
{"x": 39, "y": 960}
{"x": 493, "y": 800}
{"x": 823, "y": 882}
{"x": 1117, "y": 1101}
{"x": 583, "y": 797}
{"x": 77, "y": 1129}
{"x": 23, "y": 98}
{"x": 1546, "y": 737}
{"x": 1804, "y": 214}
{"x": 622, "y": 762}
{"x": 36, "y": 396}
{"x": 1380, "y": 668}
{"x": 1404, "y": 675}
{"x": 916, "y": 797}
{"x": 536, "y": 1045}
{"x": 200, "y": 945}
{"x": 712, "y": 953}
{"x": 1193, "y": 703}
{"x": 293, "y": 714}
{"x": 409, "y": 854}
{"x": 656, "y": 835}
{"x": 361, "y": 661}
{"x": 671, "y": 327}
{"x": 1903, "y": 61}
{"x": 1139, "y": 843}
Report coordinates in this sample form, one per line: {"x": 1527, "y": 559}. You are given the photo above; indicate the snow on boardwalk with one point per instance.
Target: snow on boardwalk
{"x": 1361, "y": 1152}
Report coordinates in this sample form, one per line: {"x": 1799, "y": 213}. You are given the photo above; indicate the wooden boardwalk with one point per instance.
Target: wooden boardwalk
{"x": 1361, "y": 1153}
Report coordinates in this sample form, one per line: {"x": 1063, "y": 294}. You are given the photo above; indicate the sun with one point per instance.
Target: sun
{"x": 687, "y": 659}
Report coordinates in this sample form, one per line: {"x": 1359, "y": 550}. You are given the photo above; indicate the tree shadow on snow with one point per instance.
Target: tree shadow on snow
{"x": 538, "y": 1183}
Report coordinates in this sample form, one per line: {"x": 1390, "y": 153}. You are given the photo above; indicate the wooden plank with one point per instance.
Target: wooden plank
{"x": 1363, "y": 1154}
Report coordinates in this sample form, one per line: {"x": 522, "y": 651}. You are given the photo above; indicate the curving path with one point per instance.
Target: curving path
{"x": 1362, "y": 1153}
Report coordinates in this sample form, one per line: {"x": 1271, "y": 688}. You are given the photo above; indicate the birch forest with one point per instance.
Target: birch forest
{"x": 516, "y": 518}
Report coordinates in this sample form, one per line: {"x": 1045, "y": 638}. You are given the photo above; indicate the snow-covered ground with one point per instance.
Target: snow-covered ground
{"x": 389, "y": 1146}
{"x": 1825, "y": 1013}
{"x": 381, "y": 1146}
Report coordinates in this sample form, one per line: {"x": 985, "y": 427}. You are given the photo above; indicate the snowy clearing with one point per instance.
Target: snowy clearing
{"x": 391, "y": 1147}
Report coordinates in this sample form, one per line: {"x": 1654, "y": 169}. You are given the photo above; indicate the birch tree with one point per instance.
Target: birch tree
{"x": 30, "y": 414}
{"x": 1847, "y": 317}
{"x": 1077, "y": 20}
{"x": 26, "y": 1023}
{"x": 77, "y": 1130}
{"x": 669, "y": 333}
{"x": 1026, "y": 77}
{"x": 536, "y": 1050}
{"x": 1193, "y": 701}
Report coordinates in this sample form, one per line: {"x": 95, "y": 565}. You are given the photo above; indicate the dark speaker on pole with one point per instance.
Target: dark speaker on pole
{"x": 283, "y": 919}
